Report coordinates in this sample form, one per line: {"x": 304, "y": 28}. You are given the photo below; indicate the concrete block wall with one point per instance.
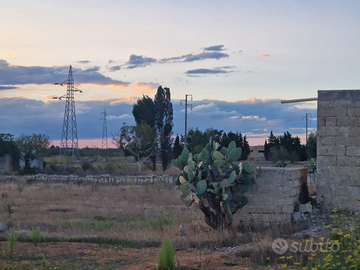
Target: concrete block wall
{"x": 274, "y": 196}
{"x": 338, "y": 149}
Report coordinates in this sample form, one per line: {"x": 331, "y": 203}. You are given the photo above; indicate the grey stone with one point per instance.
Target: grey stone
{"x": 3, "y": 227}
{"x": 305, "y": 208}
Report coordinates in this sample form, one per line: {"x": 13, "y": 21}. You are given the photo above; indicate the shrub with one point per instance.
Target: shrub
{"x": 166, "y": 256}
{"x": 35, "y": 235}
{"x": 86, "y": 166}
{"x": 11, "y": 240}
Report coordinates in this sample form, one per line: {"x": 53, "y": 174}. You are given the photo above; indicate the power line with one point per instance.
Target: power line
{"x": 186, "y": 106}
{"x": 69, "y": 139}
{"x": 307, "y": 120}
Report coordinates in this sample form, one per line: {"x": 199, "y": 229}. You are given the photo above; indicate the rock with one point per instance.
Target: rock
{"x": 305, "y": 208}
{"x": 22, "y": 232}
{"x": 296, "y": 216}
{"x": 3, "y": 227}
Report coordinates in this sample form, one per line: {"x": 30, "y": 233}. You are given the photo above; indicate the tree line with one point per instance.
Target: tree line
{"x": 286, "y": 147}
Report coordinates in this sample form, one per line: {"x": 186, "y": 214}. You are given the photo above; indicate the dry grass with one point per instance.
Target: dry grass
{"x": 135, "y": 213}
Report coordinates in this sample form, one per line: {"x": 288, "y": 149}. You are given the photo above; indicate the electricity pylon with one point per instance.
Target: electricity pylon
{"x": 69, "y": 140}
{"x": 104, "y": 144}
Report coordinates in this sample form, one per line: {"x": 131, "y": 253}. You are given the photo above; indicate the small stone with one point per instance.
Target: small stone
{"x": 3, "y": 227}
{"x": 305, "y": 208}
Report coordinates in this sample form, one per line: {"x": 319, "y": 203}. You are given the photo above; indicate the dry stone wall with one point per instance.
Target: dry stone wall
{"x": 94, "y": 179}
{"x": 274, "y": 197}
{"x": 338, "y": 149}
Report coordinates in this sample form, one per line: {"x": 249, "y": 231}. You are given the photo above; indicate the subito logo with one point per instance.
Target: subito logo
{"x": 280, "y": 246}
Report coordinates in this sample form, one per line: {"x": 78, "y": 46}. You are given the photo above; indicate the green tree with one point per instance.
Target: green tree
{"x": 33, "y": 147}
{"x": 138, "y": 141}
{"x": 311, "y": 145}
{"x": 177, "y": 148}
{"x": 144, "y": 112}
{"x": 8, "y": 146}
{"x": 164, "y": 124}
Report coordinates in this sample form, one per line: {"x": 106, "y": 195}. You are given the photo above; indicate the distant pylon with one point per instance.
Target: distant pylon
{"x": 104, "y": 133}
{"x": 69, "y": 139}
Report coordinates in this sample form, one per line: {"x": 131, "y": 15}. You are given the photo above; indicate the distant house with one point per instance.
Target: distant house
{"x": 9, "y": 164}
{"x": 257, "y": 153}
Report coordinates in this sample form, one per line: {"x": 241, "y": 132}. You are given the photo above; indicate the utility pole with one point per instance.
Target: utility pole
{"x": 69, "y": 140}
{"x": 307, "y": 120}
{"x": 104, "y": 132}
{"x": 186, "y": 106}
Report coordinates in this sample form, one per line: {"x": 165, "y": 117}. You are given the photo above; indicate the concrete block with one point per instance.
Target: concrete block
{"x": 327, "y": 140}
{"x": 352, "y": 111}
{"x": 348, "y": 122}
{"x": 326, "y": 131}
{"x": 331, "y": 121}
{"x": 325, "y": 161}
{"x": 338, "y": 150}
{"x": 348, "y": 161}
{"x": 331, "y": 110}
{"x": 321, "y": 121}
{"x": 352, "y": 151}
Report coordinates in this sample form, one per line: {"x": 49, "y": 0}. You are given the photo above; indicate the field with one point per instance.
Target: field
{"x": 115, "y": 227}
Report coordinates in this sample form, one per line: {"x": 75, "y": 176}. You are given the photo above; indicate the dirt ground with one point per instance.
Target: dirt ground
{"x": 94, "y": 256}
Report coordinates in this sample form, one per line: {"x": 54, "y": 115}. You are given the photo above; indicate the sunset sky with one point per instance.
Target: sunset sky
{"x": 237, "y": 59}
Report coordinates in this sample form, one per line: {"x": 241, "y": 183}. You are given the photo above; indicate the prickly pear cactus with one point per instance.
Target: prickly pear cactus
{"x": 216, "y": 181}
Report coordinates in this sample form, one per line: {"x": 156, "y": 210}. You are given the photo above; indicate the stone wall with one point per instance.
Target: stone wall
{"x": 338, "y": 149}
{"x": 105, "y": 179}
{"x": 274, "y": 197}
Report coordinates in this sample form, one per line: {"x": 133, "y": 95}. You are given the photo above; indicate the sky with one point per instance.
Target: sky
{"x": 237, "y": 59}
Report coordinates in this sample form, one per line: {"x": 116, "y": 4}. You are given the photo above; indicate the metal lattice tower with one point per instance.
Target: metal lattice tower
{"x": 104, "y": 132}
{"x": 69, "y": 139}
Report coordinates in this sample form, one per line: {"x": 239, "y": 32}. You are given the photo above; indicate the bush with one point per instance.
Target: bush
{"x": 35, "y": 235}
{"x": 11, "y": 239}
{"x": 109, "y": 168}
{"x": 86, "y": 166}
{"x": 166, "y": 256}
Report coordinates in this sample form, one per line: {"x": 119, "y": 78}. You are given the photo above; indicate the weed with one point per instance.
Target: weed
{"x": 43, "y": 262}
{"x": 35, "y": 236}
{"x": 166, "y": 256}
{"x": 11, "y": 239}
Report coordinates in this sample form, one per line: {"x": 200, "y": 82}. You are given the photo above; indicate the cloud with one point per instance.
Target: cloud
{"x": 144, "y": 88}
{"x": 123, "y": 116}
{"x": 214, "y": 48}
{"x": 255, "y": 118}
{"x": 114, "y": 68}
{"x": 195, "y": 57}
{"x": 206, "y": 71}
{"x": 264, "y": 54}
{"x": 4, "y": 87}
{"x": 12, "y": 54}
{"x": 20, "y": 75}
{"x": 139, "y": 61}
{"x": 83, "y": 62}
